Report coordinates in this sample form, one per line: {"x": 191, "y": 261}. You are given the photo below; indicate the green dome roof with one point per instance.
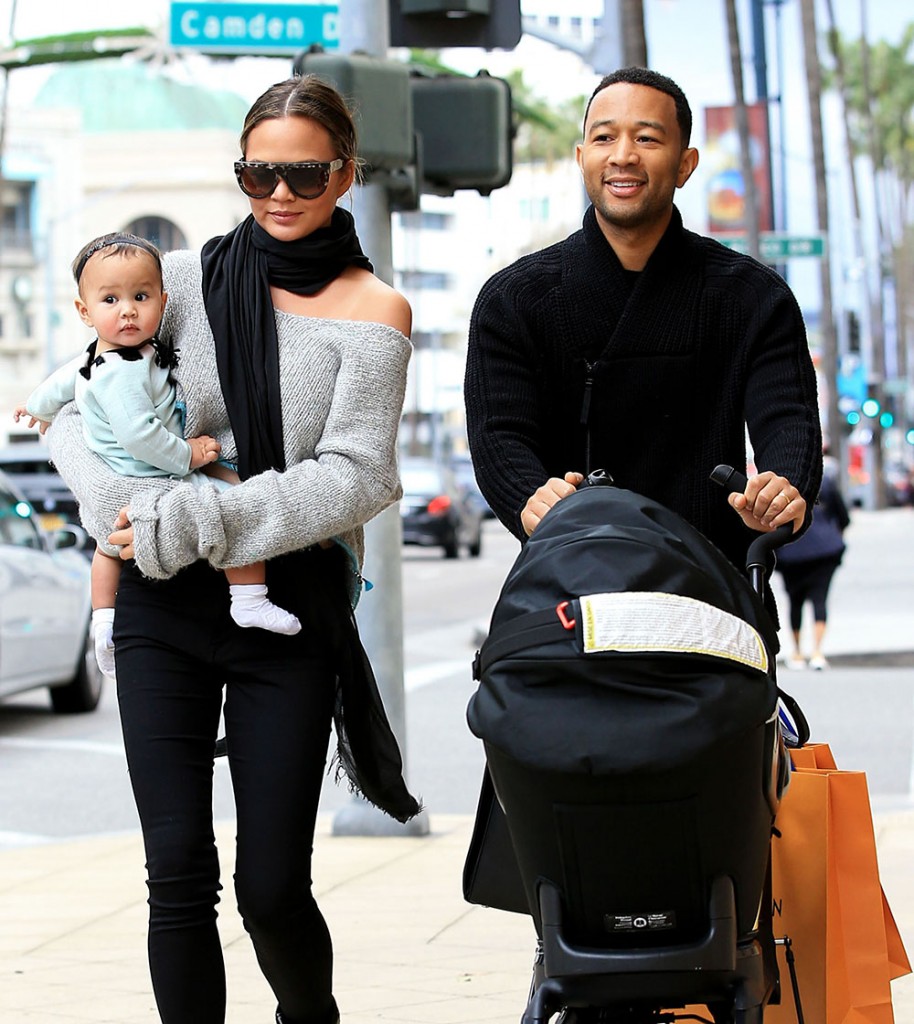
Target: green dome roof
{"x": 122, "y": 96}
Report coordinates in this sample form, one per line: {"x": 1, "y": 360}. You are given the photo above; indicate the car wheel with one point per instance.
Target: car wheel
{"x": 475, "y": 548}
{"x": 84, "y": 690}
{"x": 450, "y": 546}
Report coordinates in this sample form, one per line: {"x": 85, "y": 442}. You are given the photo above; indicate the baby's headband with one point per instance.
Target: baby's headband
{"x": 105, "y": 242}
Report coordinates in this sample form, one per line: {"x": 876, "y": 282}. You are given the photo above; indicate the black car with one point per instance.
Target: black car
{"x": 437, "y": 511}
{"x": 28, "y": 468}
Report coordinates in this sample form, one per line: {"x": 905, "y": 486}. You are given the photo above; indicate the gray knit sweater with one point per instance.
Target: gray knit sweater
{"x": 343, "y": 385}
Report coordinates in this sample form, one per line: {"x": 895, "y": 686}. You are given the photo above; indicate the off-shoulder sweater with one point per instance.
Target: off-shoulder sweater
{"x": 343, "y": 384}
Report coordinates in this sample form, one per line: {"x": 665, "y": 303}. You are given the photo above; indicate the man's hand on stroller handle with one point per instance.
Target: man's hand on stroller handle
{"x": 764, "y": 501}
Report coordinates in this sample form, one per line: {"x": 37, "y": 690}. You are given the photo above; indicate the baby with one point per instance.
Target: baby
{"x": 125, "y": 393}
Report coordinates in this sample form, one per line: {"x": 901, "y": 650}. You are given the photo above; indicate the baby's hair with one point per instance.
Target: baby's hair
{"x": 118, "y": 242}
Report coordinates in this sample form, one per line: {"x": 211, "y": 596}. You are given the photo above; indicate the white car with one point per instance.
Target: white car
{"x": 45, "y": 609}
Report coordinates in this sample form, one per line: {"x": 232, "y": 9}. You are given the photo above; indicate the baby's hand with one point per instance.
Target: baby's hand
{"x": 203, "y": 450}
{"x": 20, "y": 413}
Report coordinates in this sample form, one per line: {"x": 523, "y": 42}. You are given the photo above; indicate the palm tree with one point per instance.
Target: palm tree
{"x": 545, "y": 132}
{"x": 750, "y": 214}
{"x": 634, "y": 40}
{"x": 829, "y": 333}
{"x": 876, "y": 83}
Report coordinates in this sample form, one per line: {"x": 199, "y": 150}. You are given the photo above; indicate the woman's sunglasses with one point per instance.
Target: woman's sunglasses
{"x": 307, "y": 180}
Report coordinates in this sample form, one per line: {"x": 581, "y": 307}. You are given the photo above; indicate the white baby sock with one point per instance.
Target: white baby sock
{"x": 251, "y": 607}
{"x": 102, "y": 628}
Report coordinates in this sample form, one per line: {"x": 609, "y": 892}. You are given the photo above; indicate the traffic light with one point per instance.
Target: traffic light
{"x": 434, "y": 24}
{"x": 378, "y": 94}
{"x": 466, "y": 129}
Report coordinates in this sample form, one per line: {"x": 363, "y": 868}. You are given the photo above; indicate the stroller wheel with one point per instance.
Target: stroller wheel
{"x": 726, "y": 1013}
{"x": 722, "y": 1013}
{"x": 637, "y": 1014}
{"x": 751, "y": 1015}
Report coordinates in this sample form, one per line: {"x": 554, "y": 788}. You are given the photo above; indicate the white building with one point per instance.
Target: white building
{"x": 442, "y": 256}
{"x": 106, "y": 146}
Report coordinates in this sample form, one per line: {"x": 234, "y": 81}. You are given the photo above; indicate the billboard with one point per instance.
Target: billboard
{"x": 726, "y": 193}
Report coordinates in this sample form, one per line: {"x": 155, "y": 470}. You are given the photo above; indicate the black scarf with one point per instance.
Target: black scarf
{"x": 238, "y": 269}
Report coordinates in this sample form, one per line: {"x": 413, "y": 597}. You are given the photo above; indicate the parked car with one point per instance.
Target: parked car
{"x": 45, "y": 608}
{"x": 899, "y": 484}
{"x": 29, "y": 468}
{"x": 436, "y": 510}
{"x": 466, "y": 475}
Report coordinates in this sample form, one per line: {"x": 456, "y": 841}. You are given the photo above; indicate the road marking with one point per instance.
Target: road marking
{"x": 911, "y": 775}
{"x": 10, "y": 839}
{"x": 414, "y": 679}
{"x": 70, "y": 746}
{"x": 423, "y": 675}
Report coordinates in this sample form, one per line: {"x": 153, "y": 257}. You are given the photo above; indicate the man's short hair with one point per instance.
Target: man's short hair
{"x": 654, "y": 80}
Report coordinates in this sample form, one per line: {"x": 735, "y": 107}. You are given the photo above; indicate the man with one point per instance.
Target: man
{"x": 640, "y": 348}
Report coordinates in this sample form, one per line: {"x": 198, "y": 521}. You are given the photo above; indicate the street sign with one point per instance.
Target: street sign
{"x": 276, "y": 29}
{"x": 774, "y": 246}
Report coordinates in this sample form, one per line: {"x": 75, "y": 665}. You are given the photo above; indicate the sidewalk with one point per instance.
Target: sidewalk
{"x": 408, "y": 949}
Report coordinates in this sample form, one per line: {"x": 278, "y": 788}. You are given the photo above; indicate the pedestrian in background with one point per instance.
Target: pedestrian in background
{"x": 292, "y": 356}
{"x": 807, "y": 567}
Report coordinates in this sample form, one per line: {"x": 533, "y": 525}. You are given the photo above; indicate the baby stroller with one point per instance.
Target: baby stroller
{"x": 629, "y": 712}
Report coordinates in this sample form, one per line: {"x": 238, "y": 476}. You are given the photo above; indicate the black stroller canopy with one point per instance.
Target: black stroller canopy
{"x": 623, "y": 640}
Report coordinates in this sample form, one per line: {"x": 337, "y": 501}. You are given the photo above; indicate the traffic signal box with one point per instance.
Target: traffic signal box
{"x": 433, "y": 24}
{"x": 378, "y": 94}
{"x": 424, "y": 133}
{"x": 466, "y": 128}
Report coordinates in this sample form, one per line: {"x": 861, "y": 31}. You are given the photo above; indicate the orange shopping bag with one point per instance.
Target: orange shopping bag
{"x": 828, "y": 900}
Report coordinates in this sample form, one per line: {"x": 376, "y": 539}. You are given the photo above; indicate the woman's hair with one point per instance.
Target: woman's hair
{"x": 118, "y": 242}
{"x": 311, "y": 97}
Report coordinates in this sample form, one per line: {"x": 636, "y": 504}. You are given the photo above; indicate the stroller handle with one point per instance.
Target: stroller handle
{"x": 760, "y": 555}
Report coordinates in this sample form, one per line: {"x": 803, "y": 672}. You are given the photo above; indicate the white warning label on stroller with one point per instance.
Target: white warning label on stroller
{"x": 650, "y": 622}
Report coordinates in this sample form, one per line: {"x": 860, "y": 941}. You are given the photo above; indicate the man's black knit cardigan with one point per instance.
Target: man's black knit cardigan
{"x": 576, "y": 364}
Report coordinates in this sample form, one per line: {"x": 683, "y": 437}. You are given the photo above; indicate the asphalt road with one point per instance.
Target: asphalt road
{"x": 62, "y": 777}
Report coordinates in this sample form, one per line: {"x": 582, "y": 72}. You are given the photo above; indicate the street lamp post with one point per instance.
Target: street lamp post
{"x": 364, "y": 27}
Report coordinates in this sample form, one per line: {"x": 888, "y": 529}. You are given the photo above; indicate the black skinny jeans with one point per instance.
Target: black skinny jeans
{"x": 809, "y": 581}
{"x": 176, "y": 648}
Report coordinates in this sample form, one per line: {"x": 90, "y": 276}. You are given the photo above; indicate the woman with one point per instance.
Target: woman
{"x": 293, "y": 357}
{"x": 807, "y": 567}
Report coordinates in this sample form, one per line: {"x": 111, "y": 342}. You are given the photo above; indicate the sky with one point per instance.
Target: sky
{"x": 686, "y": 38}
